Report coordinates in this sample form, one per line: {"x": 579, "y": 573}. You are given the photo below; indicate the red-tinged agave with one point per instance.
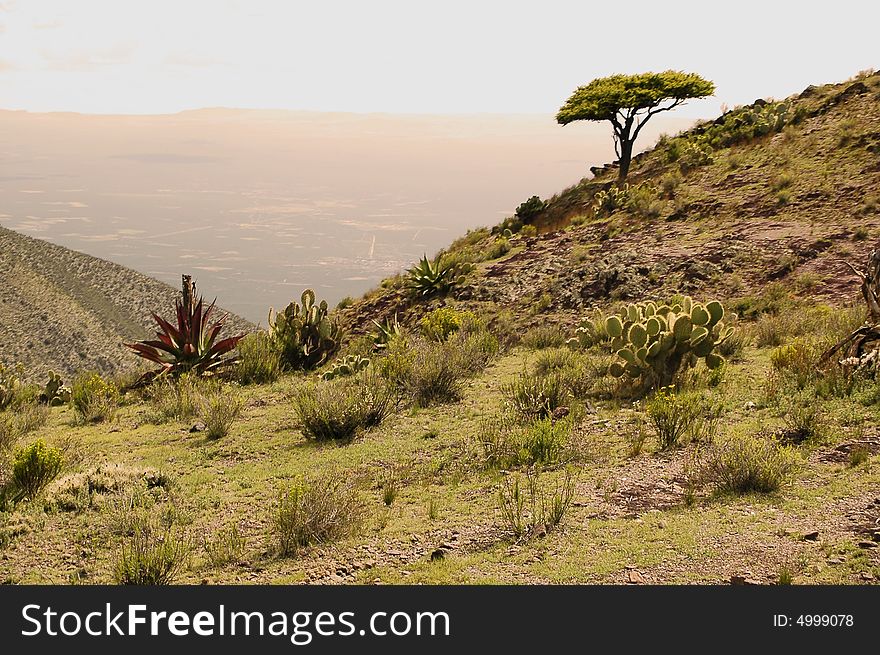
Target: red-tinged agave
{"x": 192, "y": 345}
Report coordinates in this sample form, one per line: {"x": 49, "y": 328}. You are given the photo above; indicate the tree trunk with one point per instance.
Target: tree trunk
{"x": 626, "y": 148}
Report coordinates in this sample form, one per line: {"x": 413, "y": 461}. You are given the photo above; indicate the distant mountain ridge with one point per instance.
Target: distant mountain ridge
{"x": 67, "y": 311}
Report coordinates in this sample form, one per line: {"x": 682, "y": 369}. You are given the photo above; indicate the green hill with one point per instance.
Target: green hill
{"x": 66, "y": 311}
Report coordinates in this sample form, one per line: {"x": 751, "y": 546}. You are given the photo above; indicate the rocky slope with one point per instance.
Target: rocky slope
{"x": 67, "y": 311}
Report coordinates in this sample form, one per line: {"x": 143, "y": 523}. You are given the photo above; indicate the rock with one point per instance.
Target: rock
{"x": 560, "y": 413}
{"x": 811, "y": 536}
{"x": 742, "y": 580}
{"x": 634, "y": 577}
{"x": 198, "y": 427}
{"x": 438, "y": 554}
{"x": 750, "y": 406}
{"x": 867, "y": 545}
{"x": 876, "y": 535}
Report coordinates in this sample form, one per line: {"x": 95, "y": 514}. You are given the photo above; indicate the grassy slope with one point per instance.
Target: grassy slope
{"x": 630, "y": 513}
{"x": 67, "y": 311}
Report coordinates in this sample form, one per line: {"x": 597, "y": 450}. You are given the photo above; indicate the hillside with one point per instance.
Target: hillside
{"x": 66, "y": 311}
{"x": 504, "y": 445}
{"x": 790, "y": 206}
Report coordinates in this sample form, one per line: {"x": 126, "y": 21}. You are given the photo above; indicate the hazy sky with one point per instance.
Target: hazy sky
{"x": 127, "y": 56}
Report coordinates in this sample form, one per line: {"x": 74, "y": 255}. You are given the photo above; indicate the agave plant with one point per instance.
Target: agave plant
{"x": 427, "y": 278}
{"x": 386, "y": 331}
{"x": 191, "y": 346}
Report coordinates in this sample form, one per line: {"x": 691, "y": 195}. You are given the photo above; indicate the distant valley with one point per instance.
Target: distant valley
{"x": 258, "y": 204}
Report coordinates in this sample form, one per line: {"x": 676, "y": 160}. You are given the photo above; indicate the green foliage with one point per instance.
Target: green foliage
{"x": 544, "y": 336}
{"x": 226, "y": 546}
{"x": 533, "y": 395}
{"x": 591, "y": 331}
{"x": 175, "y": 399}
{"x": 15, "y": 423}
{"x": 610, "y": 200}
{"x": 152, "y": 556}
{"x": 346, "y": 366}
{"x": 604, "y": 97}
{"x": 339, "y": 411}
{"x": 428, "y": 278}
{"x": 10, "y": 383}
{"x": 191, "y": 345}
{"x": 672, "y": 415}
{"x": 533, "y": 507}
{"x": 440, "y": 323}
{"x": 93, "y": 399}
{"x": 259, "y": 359}
{"x": 530, "y": 209}
{"x": 386, "y": 331}
{"x": 305, "y": 335}
{"x": 33, "y": 468}
{"x": 693, "y": 154}
{"x": 318, "y": 511}
{"x": 55, "y": 393}
{"x": 751, "y": 122}
{"x": 506, "y": 442}
{"x": 219, "y": 409}
{"x": 748, "y": 464}
{"x": 653, "y": 341}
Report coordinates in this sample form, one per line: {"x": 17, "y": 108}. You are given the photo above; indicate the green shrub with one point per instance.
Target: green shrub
{"x": 535, "y": 396}
{"x": 534, "y": 508}
{"x": 544, "y": 336}
{"x": 694, "y": 154}
{"x": 438, "y": 324}
{"x": 529, "y": 231}
{"x": 15, "y": 423}
{"x": 803, "y": 416}
{"x": 746, "y": 464}
{"x": 259, "y": 360}
{"x": 530, "y": 209}
{"x": 152, "y": 556}
{"x": 339, "y": 411}
{"x": 318, "y": 511}
{"x": 33, "y": 468}
{"x": 506, "y": 442}
{"x": 219, "y": 409}
{"x": 672, "y": 415}
{"x": 500, "y": 247}
{"x": 93, "y": 399}
{"x": 796, "y": 361}
{"x": 10, "y": 384}
{"x": 175, "y": 399}
{"x": 225, "y": 547}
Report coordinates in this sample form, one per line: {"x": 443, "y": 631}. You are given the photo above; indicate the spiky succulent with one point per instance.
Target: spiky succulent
{"x": 305, "y": 334}
{"x": 433, "y": 277}
{"x": 190, "y": 346}
{"x": 653, "y": 341}
{"x": 386, "y": 331}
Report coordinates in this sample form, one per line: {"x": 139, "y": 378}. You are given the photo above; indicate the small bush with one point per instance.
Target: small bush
{"x": 152, "y": 556}
{"x": 672, "y": 415}
{"x": 219, "y": 409}
{"x": 533, "y": 508}
{"x": 340, "y": 411}
{"x": 535, "y": 395}
{"x": 747, "y": 464}
{"x": 803, "y": 416}
{"x": 858, "y": 456}
{"x": 17, "y": 422}
{"x": 33, "y": 468}
{"x": 544, "y": 336}
{"x": 506, "y": 442}
{"x": 499, "y": 248}
{"x": 439, "y": 324}
{"x": 10, "y": 384}
{"x": 224, "y": 547}
{"x": 175, "y": 399}
{"x": 795, "y": 361}
{"x": 319, "y": 511}
{"x": 259, "y": 360}
{"x": 530, "y": 209}
{"x": 93, "y": 399}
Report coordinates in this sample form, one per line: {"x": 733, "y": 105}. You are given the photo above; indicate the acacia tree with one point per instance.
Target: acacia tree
{"x": 629, "y": 101}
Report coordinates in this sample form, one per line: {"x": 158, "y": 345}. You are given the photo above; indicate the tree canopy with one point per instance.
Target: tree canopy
{"x": 629, "y": 101}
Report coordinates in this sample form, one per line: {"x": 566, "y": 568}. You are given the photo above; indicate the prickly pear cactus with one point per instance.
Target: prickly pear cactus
{"x": 305, "y": 334}
{"x": 654, "y": 341}
{"x": 345, "y": 366}
{"x": 10, "y": 382}
{"x": 55, "y": 393}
